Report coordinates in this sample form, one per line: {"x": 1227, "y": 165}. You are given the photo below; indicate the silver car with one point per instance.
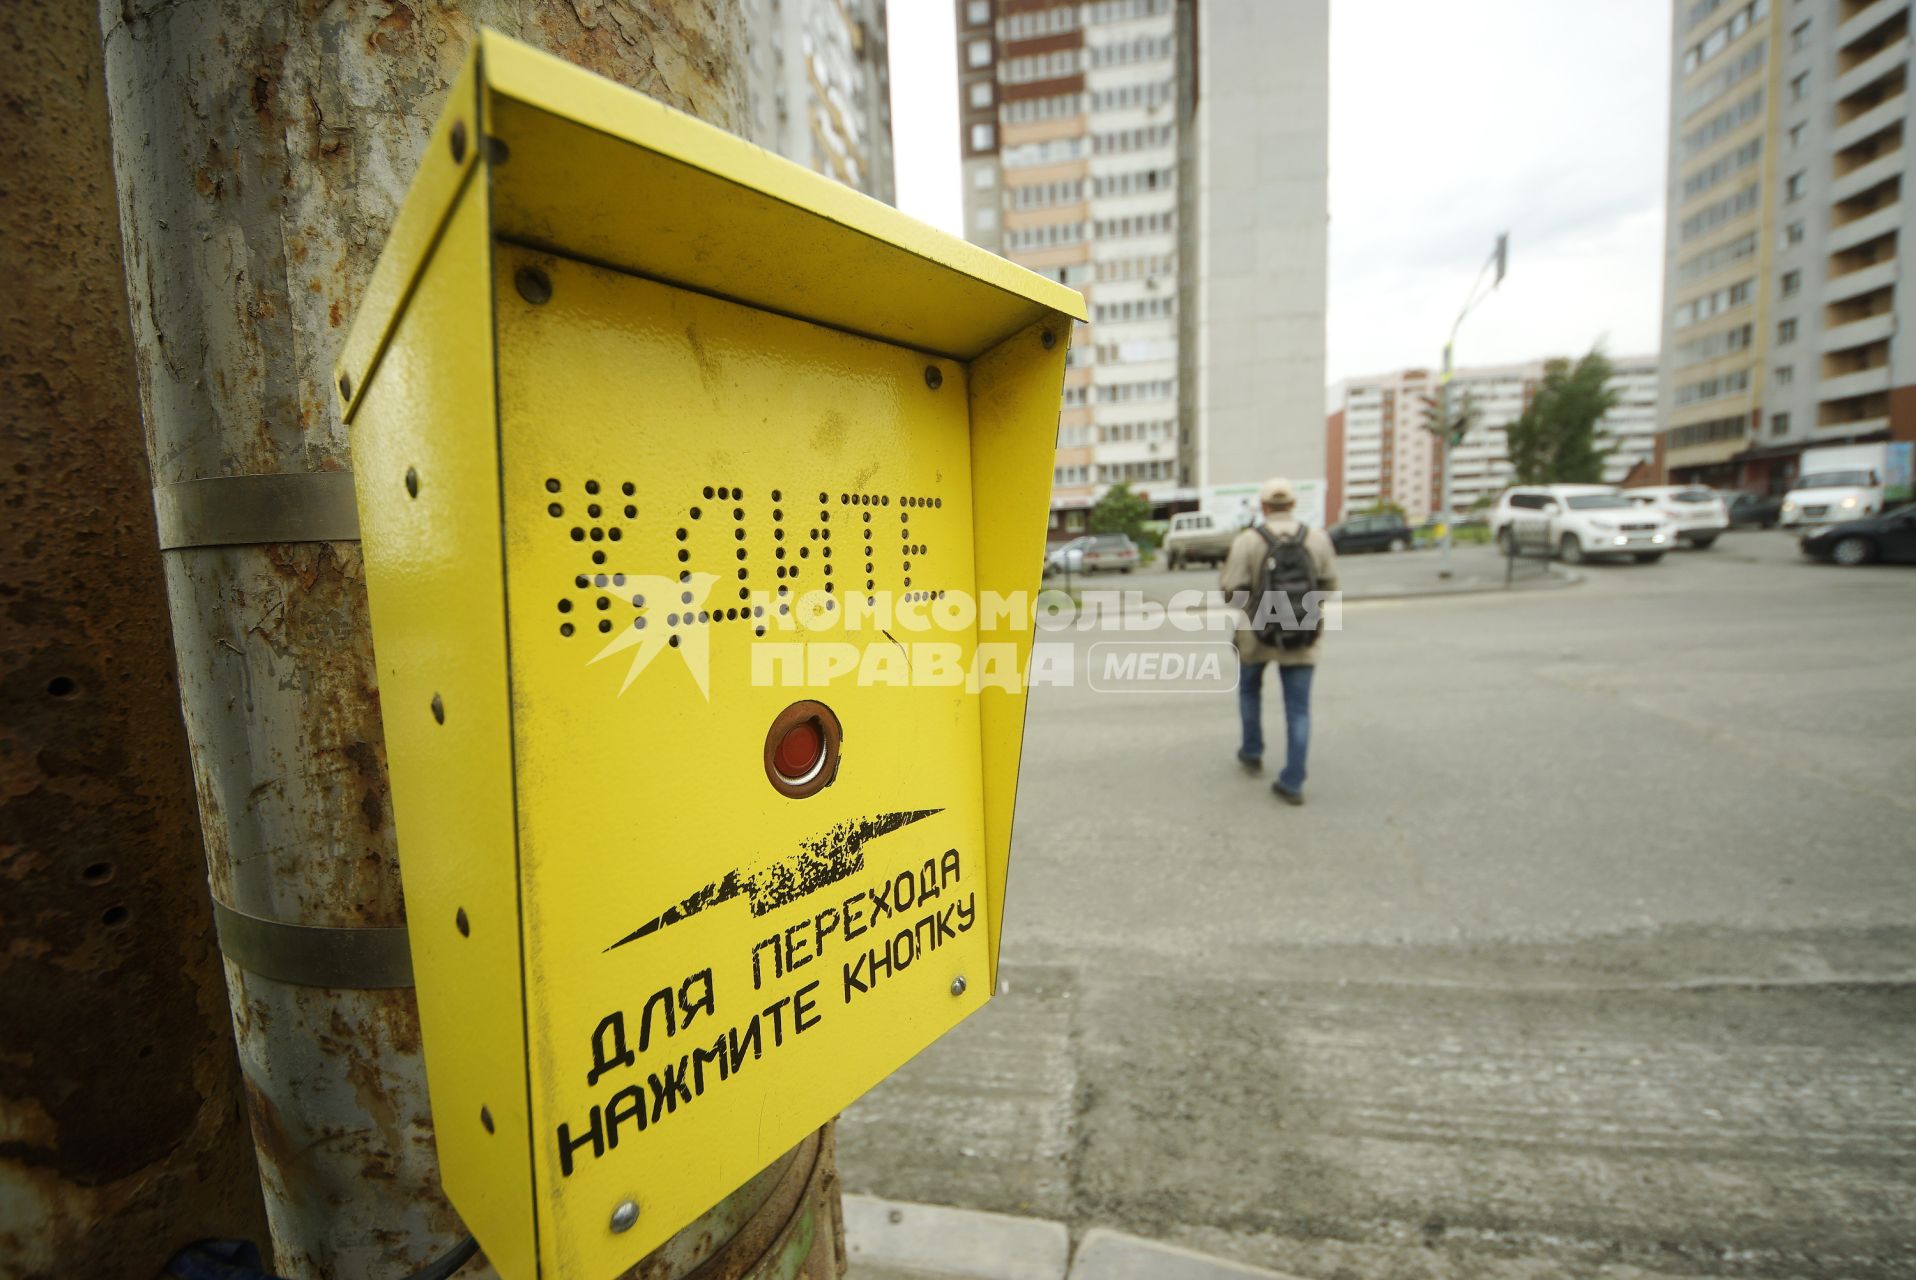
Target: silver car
{"x": 1094, "y": 553}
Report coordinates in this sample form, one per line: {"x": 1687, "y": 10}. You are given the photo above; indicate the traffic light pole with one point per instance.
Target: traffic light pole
{"x": 1452, "y": 433}
{"x": 1446, "y": 443}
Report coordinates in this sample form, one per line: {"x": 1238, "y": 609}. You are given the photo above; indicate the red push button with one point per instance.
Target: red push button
{"x": 801, "y": 749}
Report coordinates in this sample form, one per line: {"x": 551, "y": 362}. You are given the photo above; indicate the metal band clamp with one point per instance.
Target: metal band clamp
{"x": 314, "y": 955}
{"x": 291, "y": 506}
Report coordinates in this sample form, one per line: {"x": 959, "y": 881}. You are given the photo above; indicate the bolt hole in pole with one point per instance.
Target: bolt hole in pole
{"x": 462, "y": 924}
{"x": 534, "y": 285}
{"x": 62, "y": 687}
{"x": 485, "y": 1118}
{"x": 412, "y": 482}
{"x": 438, "y": 709}
{"x": 934, "y": 377}
{"x": 1049, "y": 339}
{"x": 458, "y": 141}
{"x": 345, "y": 386}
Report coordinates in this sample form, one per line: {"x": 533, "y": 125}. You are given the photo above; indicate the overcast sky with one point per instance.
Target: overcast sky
{"x": 1449, "y": 123}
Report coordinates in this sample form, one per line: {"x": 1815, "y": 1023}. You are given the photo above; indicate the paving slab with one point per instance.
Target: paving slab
{"x": 897, "y": 1240}
{"x": 1104, "y": 1254}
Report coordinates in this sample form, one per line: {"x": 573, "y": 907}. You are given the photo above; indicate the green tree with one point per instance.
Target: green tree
{"x": 1121, "y": 511}
{"x": 1384, "y": 508}
{"x": 1555, "y": 439}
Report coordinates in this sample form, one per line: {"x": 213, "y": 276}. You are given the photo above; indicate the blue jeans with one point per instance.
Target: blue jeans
{"x": 1297, "y": 717}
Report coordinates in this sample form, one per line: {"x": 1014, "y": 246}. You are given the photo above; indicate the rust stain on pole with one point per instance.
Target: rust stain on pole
{"x": 261, "y": 155}
{"x": 119, "y": 1092}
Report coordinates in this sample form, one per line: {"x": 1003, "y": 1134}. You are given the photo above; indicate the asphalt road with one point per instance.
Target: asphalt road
{"x": 1593, "y": 952}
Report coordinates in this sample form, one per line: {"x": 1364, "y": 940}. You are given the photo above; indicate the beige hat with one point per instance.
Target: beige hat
{"x": 1277, "y": 492}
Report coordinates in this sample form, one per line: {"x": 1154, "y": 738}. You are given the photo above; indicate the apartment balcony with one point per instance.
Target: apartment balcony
{"x": 1873, "y": 121}
{"x": 1876, "y": 172}
{"x": 1858, "y": 333}
{"x": 1854, "y": 427}
{"x": 1851, "y": 385}
{"x": 1698, "y": 455}
{"x": 1885, "y": 220}
{"x": 1865, "y": 74}
{"x": 1867, "y": 21}
{"x": 1856, "y": 283}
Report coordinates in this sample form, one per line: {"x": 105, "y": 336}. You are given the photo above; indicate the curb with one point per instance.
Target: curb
{"x": 1554, "y": 579}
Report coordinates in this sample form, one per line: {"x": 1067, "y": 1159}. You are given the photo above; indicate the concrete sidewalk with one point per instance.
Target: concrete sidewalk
{"x": 895, "y": 1240}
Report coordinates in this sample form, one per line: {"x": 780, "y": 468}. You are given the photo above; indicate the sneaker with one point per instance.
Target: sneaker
{"x": 1252, "y": 764}
{"x": 1287, "y": 795}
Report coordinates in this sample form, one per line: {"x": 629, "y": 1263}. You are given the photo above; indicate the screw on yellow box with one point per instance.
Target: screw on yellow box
{"x": 645, "y": 422}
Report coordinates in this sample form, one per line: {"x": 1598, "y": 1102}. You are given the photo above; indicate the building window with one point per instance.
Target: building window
{"x": 1792, "y": 281}
{"x": 978, "y": 53}
{"x": 982, "y": 136}
{"x": 1799, "y": 87}
{"x": 985, "y": 177}
{"x": 985, "y": 219}
{"x": 1799, "y": 36}
{"x": 1779, "y": 424}
{"x": 978, "y": 12}
{"x": 980, "y": 93}
{"x": 1785, "y": 331}
{"x": 1792, "y": 234}
{"x": 1793, "y": 187}
{"x": 1712, "y": 304}
{"x": 1796, "y": 134}
{"x": 1785, "y": 374}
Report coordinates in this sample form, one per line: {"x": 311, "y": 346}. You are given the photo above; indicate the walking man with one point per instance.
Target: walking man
{"x": 1243, "y": 572}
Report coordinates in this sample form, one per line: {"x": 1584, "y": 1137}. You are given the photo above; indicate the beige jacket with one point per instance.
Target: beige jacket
{"x": 1240, "y": 574}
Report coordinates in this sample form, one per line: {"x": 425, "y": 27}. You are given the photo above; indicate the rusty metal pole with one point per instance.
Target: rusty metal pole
{"x": 120, "y": 1137}
{"x": 262, "y": 151}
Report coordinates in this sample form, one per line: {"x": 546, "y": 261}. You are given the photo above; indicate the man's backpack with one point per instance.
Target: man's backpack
{"x": 1288, "y": 572}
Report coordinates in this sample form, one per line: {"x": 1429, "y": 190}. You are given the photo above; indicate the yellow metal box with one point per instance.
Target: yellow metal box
{"x": 698, "y": 494}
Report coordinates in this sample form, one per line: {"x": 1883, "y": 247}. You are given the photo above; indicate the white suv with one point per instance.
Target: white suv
{"x": 1581, "y": 521}
{"x": 1700, "y": 514}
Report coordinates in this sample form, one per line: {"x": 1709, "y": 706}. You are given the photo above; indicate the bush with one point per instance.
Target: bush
{"x": 1121, "y": 511}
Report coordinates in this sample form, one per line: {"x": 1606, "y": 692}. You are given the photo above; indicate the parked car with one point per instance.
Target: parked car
{"x": 1890, "y": 537}
{"x": 1701, "y": 516}
{"x": 1198, "y": 537}
{"x": 1371, "y": 533}
{"x": 1583, "y": 521}
{"x": 1756, "y": 510}
{"x": 1094, "y": 553}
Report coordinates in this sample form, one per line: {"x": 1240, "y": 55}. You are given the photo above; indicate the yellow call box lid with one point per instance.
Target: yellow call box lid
{"x": 702, "y": 500}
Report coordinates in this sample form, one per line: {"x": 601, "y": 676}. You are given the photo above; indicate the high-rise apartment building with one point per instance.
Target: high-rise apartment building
{"x": 1787, "y": 214}
{"x": 1168, "y": 158}
{"x": 818, "y": 87}
{"x": 1381, "y": 449}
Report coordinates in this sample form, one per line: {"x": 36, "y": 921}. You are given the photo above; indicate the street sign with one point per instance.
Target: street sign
{"x": 677, "y": 465}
